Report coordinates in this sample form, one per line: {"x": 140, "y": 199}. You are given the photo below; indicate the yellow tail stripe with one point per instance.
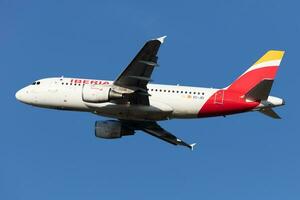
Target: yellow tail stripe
{"x": 271, "y": 55}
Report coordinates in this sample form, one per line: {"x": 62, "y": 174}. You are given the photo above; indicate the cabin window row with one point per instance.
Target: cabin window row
{"x": 177, "y": 91}
{"x": 70, "y": 84}
{"x": 156, "y": 90}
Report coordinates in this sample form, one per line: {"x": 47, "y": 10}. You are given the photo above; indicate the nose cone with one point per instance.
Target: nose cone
{"x": 22, "y": 95}
{"x": 19, "y": 95}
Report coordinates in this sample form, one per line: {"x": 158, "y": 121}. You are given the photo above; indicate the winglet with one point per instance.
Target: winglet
{"x": 161, "y": 39}
{"x": 192, "y": 146}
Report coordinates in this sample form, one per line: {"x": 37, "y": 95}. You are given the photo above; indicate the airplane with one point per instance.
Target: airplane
{"x": 135, "y": 104}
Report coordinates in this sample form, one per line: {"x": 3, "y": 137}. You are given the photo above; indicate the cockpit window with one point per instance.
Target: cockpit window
{"x": 36, "y": 83}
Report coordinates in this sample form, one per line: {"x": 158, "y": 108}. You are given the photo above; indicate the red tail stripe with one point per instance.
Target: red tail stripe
{"x": 248, "y": 80}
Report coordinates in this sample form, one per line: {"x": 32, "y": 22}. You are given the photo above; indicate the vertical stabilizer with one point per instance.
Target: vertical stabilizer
{"x": 263, "y": 69}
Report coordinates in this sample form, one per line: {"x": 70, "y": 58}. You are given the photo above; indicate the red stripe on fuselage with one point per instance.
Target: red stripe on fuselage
{"x": 231, "y": 103}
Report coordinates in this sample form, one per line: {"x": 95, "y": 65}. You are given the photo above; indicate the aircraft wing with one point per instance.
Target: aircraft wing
{"x": 155, "y": 130}
{"x": 138, "y": 73}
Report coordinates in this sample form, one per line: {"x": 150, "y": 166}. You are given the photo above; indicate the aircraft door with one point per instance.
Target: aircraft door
{"x": 219, "y": 97}
{"x": 53, "y": 86}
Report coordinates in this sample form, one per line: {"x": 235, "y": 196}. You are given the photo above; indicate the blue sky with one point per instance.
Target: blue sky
{"x": 48, "y": 154}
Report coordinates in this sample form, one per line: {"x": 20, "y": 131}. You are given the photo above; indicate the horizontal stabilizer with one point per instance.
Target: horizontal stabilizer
{"x": 270, "y": 112}
{"x": 261, "y": 91}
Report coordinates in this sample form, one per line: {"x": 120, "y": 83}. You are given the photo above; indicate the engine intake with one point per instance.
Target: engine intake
{"x": 99, "y": 94}
{"x": 111, "y": 129}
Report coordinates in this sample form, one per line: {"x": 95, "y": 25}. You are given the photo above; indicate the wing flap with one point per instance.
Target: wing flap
{"x": 140, "y": 78}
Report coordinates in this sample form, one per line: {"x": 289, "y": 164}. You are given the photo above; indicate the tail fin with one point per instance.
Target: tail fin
{"x": 257, "y": 81}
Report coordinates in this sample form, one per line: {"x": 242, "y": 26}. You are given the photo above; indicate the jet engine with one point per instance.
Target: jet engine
{"x": 99, "y": 94}
{"x": 111, "y": 129}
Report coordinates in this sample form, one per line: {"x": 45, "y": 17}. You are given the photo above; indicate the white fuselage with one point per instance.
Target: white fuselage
{"x": 166, "y": 101}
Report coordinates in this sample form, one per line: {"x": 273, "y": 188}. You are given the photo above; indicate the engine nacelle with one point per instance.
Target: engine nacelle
{"x": 99, "y": 93}
{"x": 111, "y": 129}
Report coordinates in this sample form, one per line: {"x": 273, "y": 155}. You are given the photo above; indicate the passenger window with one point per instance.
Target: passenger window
{"x": 202, "y": 93}
{"x": 38, "y": 83}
